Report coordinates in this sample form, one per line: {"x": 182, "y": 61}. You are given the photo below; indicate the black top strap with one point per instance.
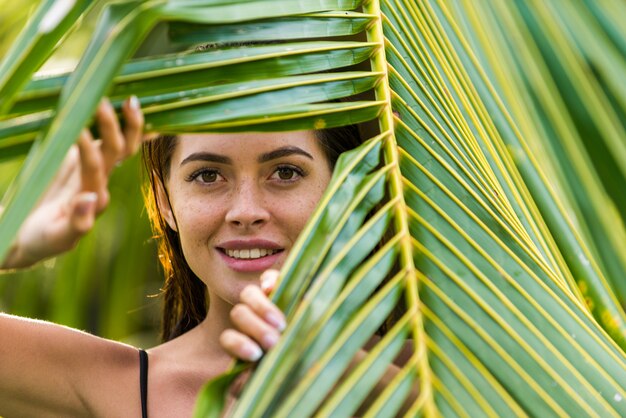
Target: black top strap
{"x": 143, "y": 382}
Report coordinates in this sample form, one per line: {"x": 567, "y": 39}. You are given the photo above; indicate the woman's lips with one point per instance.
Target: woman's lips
{"x": 250, "y": 255}
{"x": 250, "y": 264}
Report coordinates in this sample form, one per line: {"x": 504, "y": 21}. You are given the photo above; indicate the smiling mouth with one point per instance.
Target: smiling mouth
{"x": 250, "y": 254}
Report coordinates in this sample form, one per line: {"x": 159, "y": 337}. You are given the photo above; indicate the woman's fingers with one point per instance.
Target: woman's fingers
{"x": 83, "y": 213}
{"x": 113, "y": 144}
{"x": 118, "y": 145}
{"x": 258, "y": 302}
{"x": 133, "y": 130}
{"x": 79, "y": 191}
{"x": 268, "y": 280}
{"x": 98, "y": 158}
{"x": 92, "y": 170}
{"x": 258, "y": 321}
{"x": 240, "y": 346}
{"x": 251, "y": 324}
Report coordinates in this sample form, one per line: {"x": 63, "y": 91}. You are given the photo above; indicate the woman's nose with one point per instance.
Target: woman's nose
{"x": 247, "y": 207}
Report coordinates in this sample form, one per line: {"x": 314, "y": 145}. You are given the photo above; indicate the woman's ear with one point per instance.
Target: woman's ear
{"x": 163, "y": 203}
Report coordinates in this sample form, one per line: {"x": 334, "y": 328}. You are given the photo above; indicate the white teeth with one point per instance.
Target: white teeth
{"x": 251, "y": 253}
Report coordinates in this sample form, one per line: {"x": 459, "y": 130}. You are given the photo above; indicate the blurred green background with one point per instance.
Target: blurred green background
{"x": 108, "y": 285}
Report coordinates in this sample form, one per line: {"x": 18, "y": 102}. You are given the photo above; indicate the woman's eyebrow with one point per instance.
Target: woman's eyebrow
{"x": 207, "y": 156}
{"x": 283, "y": 152}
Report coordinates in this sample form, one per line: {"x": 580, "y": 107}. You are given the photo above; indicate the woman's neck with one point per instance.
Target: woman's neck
{"x": 216, "y": 321}
{"x": 201, "y": 344}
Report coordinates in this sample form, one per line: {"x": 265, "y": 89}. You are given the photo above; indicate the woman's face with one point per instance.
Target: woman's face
{"x": 239, "y": 201}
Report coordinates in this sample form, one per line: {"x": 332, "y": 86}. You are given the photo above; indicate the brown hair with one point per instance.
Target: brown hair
{"x": 184, "y": 294}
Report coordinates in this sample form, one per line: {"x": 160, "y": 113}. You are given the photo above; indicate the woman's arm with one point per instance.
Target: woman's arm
{"x": 47, "y": 370}
{"x": 51, "y": 370}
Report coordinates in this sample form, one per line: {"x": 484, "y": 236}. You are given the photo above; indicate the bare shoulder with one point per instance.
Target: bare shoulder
{"x": 52, "y": 370}
{"x": 177, "y": 371}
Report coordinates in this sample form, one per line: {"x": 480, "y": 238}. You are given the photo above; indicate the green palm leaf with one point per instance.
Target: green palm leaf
{"x": 486, "y": 219}
{"x": 51, "y": 21}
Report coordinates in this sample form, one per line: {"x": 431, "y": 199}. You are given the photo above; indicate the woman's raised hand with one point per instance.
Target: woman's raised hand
{"x": 79, "y": 191}
{"x": 257, "y": 320}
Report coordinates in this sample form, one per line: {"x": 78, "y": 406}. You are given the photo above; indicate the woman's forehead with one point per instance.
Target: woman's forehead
{"x": 248, "y": 143}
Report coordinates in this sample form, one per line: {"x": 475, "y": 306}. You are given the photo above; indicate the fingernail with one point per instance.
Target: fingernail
{"x": 88, "y": 197}
{"x": 86, "y": 202}
{"x": 268, "y": 280}
{"x": 275, "y": 320}
{"x": 254, "y": 352}
{"x": 270, "y": 339}
{"x": 134, "y": 102}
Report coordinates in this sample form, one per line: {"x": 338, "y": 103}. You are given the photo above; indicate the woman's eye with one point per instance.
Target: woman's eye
{"x": 208, "y": 176}
{"x": 205, "y": 176}
{"x": 287, "y": 173}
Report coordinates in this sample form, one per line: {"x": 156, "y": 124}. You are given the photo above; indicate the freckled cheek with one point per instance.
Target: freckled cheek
{"x": 198, "y": 223}
{"x": 296, "y": 212}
